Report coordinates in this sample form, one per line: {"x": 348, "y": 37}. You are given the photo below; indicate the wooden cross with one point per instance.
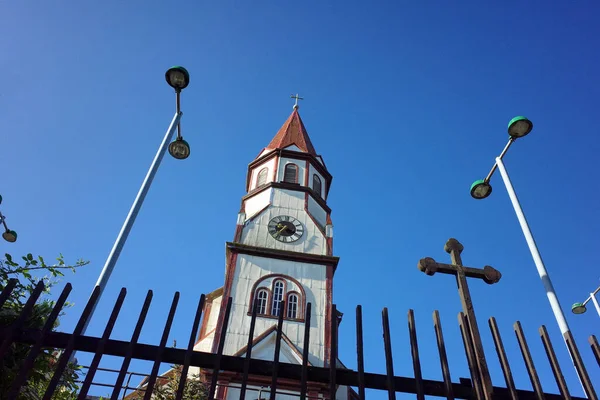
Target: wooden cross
{"x": 297, "y": 98}
{"x": 489, "y": 275}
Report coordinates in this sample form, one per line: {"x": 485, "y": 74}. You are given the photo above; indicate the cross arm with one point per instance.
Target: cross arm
{"x": 488, "y": 274}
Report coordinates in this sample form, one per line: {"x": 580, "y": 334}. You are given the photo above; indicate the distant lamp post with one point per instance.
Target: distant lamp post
{"x": 580, "y": 308}
{"x": 8, "y": 235}
{"x": 178, "y": 78}
{"x": 480, "y": 189}
{"x": 519, "y": 127}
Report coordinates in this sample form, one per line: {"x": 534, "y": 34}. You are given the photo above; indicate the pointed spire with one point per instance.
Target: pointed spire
{"x": 293, "y": 132}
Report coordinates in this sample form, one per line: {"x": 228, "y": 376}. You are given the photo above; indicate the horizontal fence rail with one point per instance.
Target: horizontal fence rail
{"x": 327, "y": 378}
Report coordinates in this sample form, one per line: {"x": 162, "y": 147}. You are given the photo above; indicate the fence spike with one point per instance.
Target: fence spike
{"x": 508, "y": 378}
{"x": 533, "y": 376}
{"x": 558, "y": 375}
{"x": 389, "y": 361}
{"x": 161, "y": 347}
{"x": 305, "y": 351}
{"x": 190, "y": 349}
{"x": 437, "y": 325}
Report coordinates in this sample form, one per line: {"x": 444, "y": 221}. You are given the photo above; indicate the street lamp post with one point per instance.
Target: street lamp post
{"x": 8, "y": 235}
{"x": 178, "y": 78}
{"x": 519, "y": 127}
{"x": 580, "y": 308}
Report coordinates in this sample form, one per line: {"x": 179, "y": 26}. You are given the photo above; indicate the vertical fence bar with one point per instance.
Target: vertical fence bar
{"x": 414, "y": 350}
{"x": 389, "y": 361}
{"x": 333, "y": 353}
{"x": 533, "y": 376}
{"x": 277, "y": 350}
{"x": 220, "y": 347}
{"x": 595, "y": 348}
{"x": 134, "y": 339}
{"x": 190, "y": 349}
{"x": 558, "y": 375}
{"x": 12, "y": 329}
{"x": 470, "y": 353}
{"x": 305, "y": 351}
{"x": 580, "y": 366}
{"x": 359, "y": 354}
{"x": 10, "y": 286}
{"x": 35, "y": 350}
{"x": 161, "y": 347}
{"x": 85, "y": 387}
{"x": 508, "y": 378}
{"x": 248, "y": 351}
{"x": 437, "y": 325}
{"x": 66, "y": 355}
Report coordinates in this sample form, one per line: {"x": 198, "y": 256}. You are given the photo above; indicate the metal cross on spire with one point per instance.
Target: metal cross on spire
{"x": 490, "y": 276}
{"x": 296, "y": 97}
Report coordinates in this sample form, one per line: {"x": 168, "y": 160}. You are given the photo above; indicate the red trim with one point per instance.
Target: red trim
{"x": 238, "y": 233}
{"x": 276, "y": 169}
{"x": 307, "y": 173}
{"x": 328, "y": 316}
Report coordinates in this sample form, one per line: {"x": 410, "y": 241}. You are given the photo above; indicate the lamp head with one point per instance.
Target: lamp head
{"x": 578, "y": 308}
{"x": 480, "y": 189}
{"x": 178, "y": 78}
{"x": 179, "y": 149}
{"x": 519, "y": 127}
{"x": 10, "y": 236}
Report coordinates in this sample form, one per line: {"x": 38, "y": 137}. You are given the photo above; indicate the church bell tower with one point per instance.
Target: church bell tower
{"x": 281, "y": 257}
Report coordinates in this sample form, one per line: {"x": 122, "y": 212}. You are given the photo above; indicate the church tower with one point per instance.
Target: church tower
{"x": 281, "y": 254}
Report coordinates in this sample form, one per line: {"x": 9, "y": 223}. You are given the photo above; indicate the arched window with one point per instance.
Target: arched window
{"x": 290, "y": 174}
{"x": 261, "y": 299}
{"x": 277, "y": 297}
{"x": 292, "y": 306}
{"x": 317, "y": 184}
{"x": 261, "y": 178}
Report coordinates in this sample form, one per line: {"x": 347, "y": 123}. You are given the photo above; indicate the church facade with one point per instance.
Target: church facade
{"x": 280, "y": 258}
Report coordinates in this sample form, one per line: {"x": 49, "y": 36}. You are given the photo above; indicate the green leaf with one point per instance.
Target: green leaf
{"x": 8, "y": 257}
{"x": 30, "y": 256}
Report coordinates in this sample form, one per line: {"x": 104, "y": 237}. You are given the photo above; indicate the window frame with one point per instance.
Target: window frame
{"x": 297, "y": 304}
{"x": 293, "y": 166}
{"x": 317, "y": 178}
{"x": 265, "y": 172}
{"x": 274, "y": 297}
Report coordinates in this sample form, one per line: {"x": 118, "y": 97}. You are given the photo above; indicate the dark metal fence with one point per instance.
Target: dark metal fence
{"x": 329, "y": 377}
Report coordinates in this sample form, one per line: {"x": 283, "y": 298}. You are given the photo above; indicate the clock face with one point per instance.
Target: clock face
{"x": 285, "y": 228}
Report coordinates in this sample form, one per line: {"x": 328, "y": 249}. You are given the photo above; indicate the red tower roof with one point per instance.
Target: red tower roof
{"x": 293, "y": 132}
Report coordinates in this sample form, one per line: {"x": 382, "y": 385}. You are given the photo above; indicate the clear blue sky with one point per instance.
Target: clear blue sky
{"x": 407, "y": 102}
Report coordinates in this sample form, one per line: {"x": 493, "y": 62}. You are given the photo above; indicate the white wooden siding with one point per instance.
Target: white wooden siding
{"x": 301, "y": 169}
{"x": 257, "y": 202}
{"x": 285, "y": 202}
{"x": 270, "y": 164}
{"x": 250, "y": 269}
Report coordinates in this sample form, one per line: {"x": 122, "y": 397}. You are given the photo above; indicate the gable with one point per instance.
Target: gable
{"x": 263, "y": 348}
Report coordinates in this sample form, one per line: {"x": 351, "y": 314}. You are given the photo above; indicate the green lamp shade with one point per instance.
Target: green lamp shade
{"x": 578, "y": 308}
{"x": 519, "y": 127}
{"x": 10, "y": 236}
{"x": 177, "y": 77}
{"x": 179, "y": 149}
{"x": 480, "y": 189}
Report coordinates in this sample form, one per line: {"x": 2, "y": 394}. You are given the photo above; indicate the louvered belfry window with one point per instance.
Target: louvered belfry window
{"x": 317, "y": 185}
{"x": 290, "y": 174}
{"x": 261, "y": 178}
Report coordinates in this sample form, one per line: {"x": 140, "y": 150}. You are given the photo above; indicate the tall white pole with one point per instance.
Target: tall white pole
{"x": 537, "y": 258}
{"x": 133, "y": 212}
{"x": 593, "y": 296}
